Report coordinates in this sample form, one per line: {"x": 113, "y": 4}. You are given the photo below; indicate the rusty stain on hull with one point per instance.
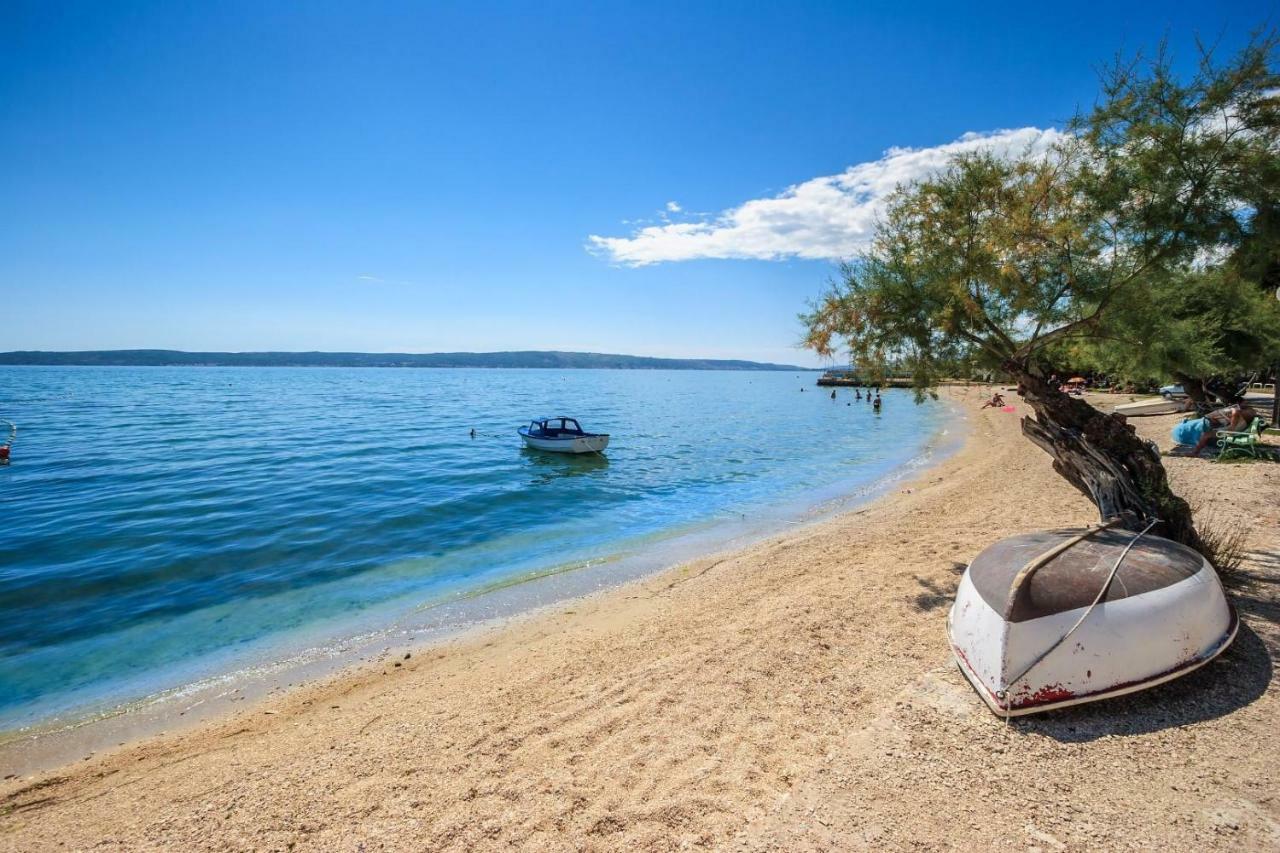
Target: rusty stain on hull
{"x": 1055, "y": 696}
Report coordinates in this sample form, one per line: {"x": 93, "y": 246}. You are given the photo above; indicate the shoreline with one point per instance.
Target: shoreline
{"x": 794, "y": 694}
{"x": 319, "y": 655}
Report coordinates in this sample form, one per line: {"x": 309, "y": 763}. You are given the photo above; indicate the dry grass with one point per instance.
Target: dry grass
{"x": 1223, "y": 543}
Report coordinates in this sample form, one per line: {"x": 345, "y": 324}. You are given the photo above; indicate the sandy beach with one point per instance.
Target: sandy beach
{"x": 795, "y": 695}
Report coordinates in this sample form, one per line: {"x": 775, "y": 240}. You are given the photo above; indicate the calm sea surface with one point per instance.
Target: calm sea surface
{"x": 156, "y": 519}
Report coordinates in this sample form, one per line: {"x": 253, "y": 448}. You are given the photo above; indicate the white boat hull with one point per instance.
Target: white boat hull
{"x": 577, "y": 444}
{"x": 1155, "y": 406}
{"x": 1121, "y": 646}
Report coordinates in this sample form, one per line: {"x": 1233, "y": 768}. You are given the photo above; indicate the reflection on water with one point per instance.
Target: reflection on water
{"x": 158, "y": 520}
{"x": 549, "y": 467}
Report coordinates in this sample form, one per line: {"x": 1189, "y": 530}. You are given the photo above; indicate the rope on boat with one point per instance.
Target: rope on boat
{"x": 1024, "y": 574}
{"x": 1044, "y": 558}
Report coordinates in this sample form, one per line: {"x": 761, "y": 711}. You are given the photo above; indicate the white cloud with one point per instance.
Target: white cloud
{"x": 373, "y": 279}
{"x": 824, "y": 218}
{"x": 672, "y": 207}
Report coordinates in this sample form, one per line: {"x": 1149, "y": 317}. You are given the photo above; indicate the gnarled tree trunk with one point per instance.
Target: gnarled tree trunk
{"x": 1194, "y": 386}
{"x": 1102, "y": 456}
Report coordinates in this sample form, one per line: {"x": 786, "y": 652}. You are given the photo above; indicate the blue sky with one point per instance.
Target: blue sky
{"x": 426, "y": 177}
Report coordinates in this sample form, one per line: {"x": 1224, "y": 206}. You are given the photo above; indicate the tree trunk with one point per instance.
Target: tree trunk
{"x": 1102, "y": 456}
{"x": 1194, "y": 386}
{"x": 1275, "y": 395}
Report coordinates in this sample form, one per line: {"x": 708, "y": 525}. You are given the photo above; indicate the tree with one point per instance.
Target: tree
{"x": 1194, "y": 325}
{"x": 1001, "y": 261}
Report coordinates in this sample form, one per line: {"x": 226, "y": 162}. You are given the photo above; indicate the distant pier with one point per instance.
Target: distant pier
{"x": 844, "y": 378}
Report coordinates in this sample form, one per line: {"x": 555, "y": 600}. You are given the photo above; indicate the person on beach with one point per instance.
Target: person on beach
{"x": 833, "y": 393}
{"x": 857, "y": 394}
{"x": 1198, "y": 432}
{"x": 876, "y": 404}
{"x": 996, "y": 402}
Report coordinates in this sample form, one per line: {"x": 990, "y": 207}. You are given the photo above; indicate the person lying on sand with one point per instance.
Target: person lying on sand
{"x": 996, "y": 402}
{"x": 1198, "y": 432}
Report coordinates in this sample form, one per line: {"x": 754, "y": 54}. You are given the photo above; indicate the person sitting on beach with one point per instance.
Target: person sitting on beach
{"x": 1198, "y": 432}
{"x": 996, "y": 402}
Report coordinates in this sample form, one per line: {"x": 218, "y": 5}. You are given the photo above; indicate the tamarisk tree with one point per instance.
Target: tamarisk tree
{"x": 999, "y": 261}
{"x": 1199, "y": 325}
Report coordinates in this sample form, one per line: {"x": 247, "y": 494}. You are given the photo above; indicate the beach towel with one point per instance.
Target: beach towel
{"x": 1189, "y": 432}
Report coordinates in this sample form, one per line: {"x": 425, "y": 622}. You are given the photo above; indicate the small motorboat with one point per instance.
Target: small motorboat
{"x": 1061, "y": 617}
{"x": 562, "y": 435}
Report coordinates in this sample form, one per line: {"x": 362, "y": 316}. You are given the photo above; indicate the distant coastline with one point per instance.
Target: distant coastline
{"x": 518, "y": 359}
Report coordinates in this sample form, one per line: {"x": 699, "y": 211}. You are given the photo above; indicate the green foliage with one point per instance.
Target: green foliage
{"x": 1103, "y": 248}
{"x": 1195, "y": 323}
{"x": 1184, "y": 165}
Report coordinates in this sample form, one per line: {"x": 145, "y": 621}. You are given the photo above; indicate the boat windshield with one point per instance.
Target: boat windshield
{"x": 554, "y": 426}
{"x": 558, "y": 425}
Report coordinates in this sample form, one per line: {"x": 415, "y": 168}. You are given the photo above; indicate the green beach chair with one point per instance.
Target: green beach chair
{"x": 1241, "y": 443}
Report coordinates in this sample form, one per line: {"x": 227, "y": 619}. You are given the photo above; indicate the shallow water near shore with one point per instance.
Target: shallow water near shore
{"x": 166, "y": 527}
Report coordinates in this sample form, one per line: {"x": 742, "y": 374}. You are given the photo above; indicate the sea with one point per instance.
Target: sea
{"x": 163, "y": 528}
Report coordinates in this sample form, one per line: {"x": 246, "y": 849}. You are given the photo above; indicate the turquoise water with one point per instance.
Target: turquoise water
{"x": 158, "y": 520}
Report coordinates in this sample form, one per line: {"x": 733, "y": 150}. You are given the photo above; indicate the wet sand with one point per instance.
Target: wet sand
{"x": 798, "y": 694}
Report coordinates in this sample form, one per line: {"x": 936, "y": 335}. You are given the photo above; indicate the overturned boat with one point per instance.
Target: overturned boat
{"x": 1056, "y": 618}
{"x": 1152, "y": 406}
{"x": 562, "y": 435}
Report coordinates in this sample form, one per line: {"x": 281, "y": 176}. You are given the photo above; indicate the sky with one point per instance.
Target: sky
{"x": 671, "y": 179}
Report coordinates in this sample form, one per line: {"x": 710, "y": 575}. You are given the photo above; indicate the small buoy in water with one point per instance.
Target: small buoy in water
{"x": 4, "y": 448}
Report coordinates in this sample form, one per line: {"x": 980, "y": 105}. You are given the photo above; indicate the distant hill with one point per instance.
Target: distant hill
{"x": 563, "y": 360}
